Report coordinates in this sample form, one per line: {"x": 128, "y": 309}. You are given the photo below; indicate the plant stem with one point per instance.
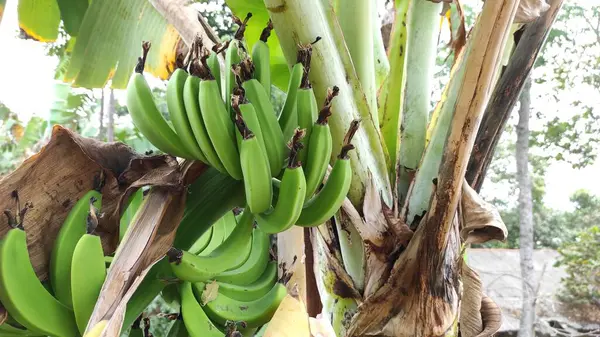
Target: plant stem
{"x": 355, "y": 18}
{"x": 300, "y": 22}
{"x": 392, "y": 93}
{"x": 422, "y": 20}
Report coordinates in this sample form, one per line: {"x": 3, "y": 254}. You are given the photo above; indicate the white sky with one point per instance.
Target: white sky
{"x": 26, "y": 87}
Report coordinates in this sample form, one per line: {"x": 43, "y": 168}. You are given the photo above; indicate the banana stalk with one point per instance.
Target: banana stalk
{"x": 392, "y": 94}
{"x": 302, "y": 22}
{"x": 356, "y": 20}
{"x": 422, "y": 21}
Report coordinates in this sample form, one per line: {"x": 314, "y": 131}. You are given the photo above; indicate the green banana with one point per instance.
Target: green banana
{"x": 87, "y": 275}
{"x": 288, "y": 117}
{"x": 192, "y": 108}
{"x": 230, "y": 222}
{"x": 242, "y": 107}
{"x": 307, "y": 111}
{"x": 202, "y": 242}
{"x": 73, "y": 228}
{"x": 145, "y": 114}
{"x": 209, "y": 198}
{"x": 255, "y": 169}
{"x": 262, "y": 58}
{"x": 292, "y": 193}
{"x": 218, "y": 123}
{"x": 133, "y": 203}
{"x": 215, "y": 66}
{"x": 254, "y": 290}
{"x": 176, "y": 106}
{"x": 320, "y": 147}
{"x": 233, "y": 252}
{"x": 24, "y": 296}
{"x": 272, "y": 134}
{"x": 254, "y": 266}
{"x": 232, "y": 57}
{"x": 253, "y": 313}
{"x": 195, "y": 319}
{"x": 217, "y": 238}
{"x": 329, "y": 199}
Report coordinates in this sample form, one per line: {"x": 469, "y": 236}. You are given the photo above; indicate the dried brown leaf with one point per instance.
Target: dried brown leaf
{"x": 481, "y": 220}
{"x": 471, "y": 323}
{"x": 529, "y": 10}
{"x": 56, "y": 177}
{"x": 210, "y": 293}
{"x": 492, "y": 317}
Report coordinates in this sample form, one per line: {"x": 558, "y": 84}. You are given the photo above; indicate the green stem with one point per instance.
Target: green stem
{"x": 421, "y": 190}
{"x": 301, "y": 21}
{"x": 356, "y": 20}
{"x": 423, "y": 22}
{"x": 392, "y": 94}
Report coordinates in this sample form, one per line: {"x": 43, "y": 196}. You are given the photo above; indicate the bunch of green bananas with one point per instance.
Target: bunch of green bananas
{"x": 77, "y": 272}
{"x": 231, "y": 125}
{"x": 225, "y": 279}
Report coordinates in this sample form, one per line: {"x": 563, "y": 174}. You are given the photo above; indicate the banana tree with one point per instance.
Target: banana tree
{"x": 390, "y": 262}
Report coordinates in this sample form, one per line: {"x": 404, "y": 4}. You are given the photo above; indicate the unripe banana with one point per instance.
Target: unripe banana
{"x": 233, "y": 252}
{"x": 329, "y": 199}
{"x": 71, "y": 231}
{"x": 253, "y": 313}
{"x": 262, "y": 59}
{"x": 288, "y": 117}
{"x": 218, "y": 123}
{"x": 176, "y": 106}
{"x": 255, "y": 169}
{"x": 272, "y": 134}
{"x": 24, "y": 296}
{"x": 145, "y": 114}
{"x": 87, "y": 275}
{"x": 233, "y": 56}
{"x": 215, "y": 66}
{"x": 202, "y": 242}
{"x": 254, "y": 266}
{"x": 192, "y": 108}
{"x": 196, "y": 322}
{"x": 217, "y": 238}
{"x": 254, "y": 290}
{"x": 292, "y": 193}
{"x": 320, "y": 147}
{"x": 242, "y": 107}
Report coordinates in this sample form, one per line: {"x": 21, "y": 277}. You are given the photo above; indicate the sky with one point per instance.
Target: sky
{"x": 26, "y": 87}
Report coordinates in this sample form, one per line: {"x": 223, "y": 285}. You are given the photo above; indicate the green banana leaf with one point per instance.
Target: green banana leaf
{"x": 39, "y": 19}
{"x": 2, "y": 4}
{"x": 280, "y": 72}
{"x": 109, "y": 37}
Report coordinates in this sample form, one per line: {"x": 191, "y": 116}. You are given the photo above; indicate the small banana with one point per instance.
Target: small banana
{"x": 253, "y": 313}
{"x": 262, "y": 58}
{"x": 146, "y": 116}
{"x": 87, "y": 274}
{"x": 192, "y": 108}
{"x": 176, "y": 106}
{"x": 195, "y": 320}
{"x": 233, "y": 252}
{"x": 329, "y": 199}
{"x": 217, "y": 238}
{"x": 307, "y": 111}
{"x": 218, "y": 123}
{"x": 254, "y": 290}
{"x": 73, "y": 228}
{"x": 232, "y": 57}
{"x": 24, "y": 296}
{"x": 292, "y": 193}
{"x": 202, "y": 242}
{"x": 255, "y": 169}
{"x": 272, "y": 134}
{"x": 215, "y": 66}
{"x": 230, "y": 223}
{"x": 320, "y": 146}
{"x": 288, "y": 117}
{"x": 254, "y": 266}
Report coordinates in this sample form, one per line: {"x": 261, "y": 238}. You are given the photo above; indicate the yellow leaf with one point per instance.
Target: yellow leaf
{"x": 290, "y": 320}
{"x": 210, "y": 292}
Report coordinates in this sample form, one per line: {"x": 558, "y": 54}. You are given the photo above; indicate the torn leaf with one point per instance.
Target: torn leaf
{"x": 471, "y": 323}
{"x": 481, "y": 221}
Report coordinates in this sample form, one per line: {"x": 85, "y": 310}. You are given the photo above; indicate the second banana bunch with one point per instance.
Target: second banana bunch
{"x": 228, "y": 121}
